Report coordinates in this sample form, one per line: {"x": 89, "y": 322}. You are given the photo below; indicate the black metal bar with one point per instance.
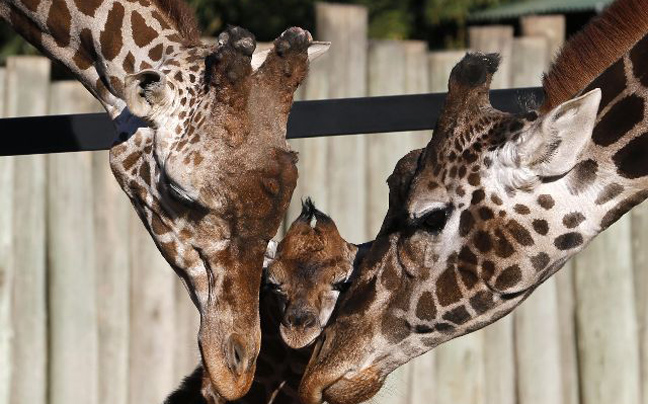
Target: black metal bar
{"x": 347, "y": 116}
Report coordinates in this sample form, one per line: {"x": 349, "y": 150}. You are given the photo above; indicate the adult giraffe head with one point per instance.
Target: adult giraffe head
{"x": 201, "y": 150}
{"x": 211, "y": 177}
{"x": 493, "y": 206}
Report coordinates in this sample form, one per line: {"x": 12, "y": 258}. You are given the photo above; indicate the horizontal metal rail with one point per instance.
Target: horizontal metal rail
{"x": 335, "y": 117}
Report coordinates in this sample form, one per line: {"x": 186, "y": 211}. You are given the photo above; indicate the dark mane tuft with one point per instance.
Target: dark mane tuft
{"x": 475, "y": 68}
{"x": 601, "y": 43}
{"x": 181, "y": 15}
{"x": 310, "y": 212}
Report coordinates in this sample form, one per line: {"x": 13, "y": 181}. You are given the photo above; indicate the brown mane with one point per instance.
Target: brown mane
{"x": 601, "y": 43}
{"x": 183, "y": 17}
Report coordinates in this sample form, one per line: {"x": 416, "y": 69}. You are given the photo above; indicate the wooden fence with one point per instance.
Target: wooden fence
{"x": 90, "y": 312}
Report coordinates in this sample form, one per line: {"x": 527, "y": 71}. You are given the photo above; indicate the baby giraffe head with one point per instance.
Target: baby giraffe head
{"x": 312, "y": 266}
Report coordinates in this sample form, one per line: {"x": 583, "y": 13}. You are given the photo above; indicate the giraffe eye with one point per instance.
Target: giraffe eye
{"x": 434, "y": 221}
{"x": 342, "y": 285}
{"x": 178, "y": 193}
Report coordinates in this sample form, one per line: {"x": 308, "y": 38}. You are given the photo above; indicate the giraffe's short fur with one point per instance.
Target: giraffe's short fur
{"x": 493, "y": 206}
{"x": 201, "y": 150}
{"x": 313, "y": 265}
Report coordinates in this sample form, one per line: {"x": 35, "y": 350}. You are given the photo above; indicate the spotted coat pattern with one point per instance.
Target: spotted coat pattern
{"x": 201, "y": 150}
{"x": 496, "y": 231}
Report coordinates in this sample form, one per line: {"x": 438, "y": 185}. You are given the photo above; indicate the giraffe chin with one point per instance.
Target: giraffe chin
{"x": 345, "y": 389}
{"x": 355, "y": 390}
{"x": 299, "y": 337}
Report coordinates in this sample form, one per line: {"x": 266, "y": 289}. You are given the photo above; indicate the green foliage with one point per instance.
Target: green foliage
{"x": 265, "y": 18}
{"x": 441, "y": 22}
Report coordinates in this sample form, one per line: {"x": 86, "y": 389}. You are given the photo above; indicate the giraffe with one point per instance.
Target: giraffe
{"x": 201, "y": 150}
{"x": 313, "y": 265}
{"x": 494, "y": 205}
{"x": 306, "y": 273}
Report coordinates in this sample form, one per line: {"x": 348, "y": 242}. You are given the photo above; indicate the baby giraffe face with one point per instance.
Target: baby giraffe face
{"x": 312, "y": 266}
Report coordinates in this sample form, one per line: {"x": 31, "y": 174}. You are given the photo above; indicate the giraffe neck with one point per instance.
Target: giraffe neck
{"x": 102, "y": 41}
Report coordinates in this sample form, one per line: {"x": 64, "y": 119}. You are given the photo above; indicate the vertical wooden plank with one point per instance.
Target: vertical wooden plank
{"x": 346, "y": 27}
{"x": 528, "y": 60}
{"x": 72, "y": 299}
{"x": 152, "y": 320}
{"x": 606, "y": 319}
{"x": 537, "y": 336}
{"x": 417, "y": 81}
{"x": 537, "y": 346}
{"x": 6, "y": 264}
{"x": 494, "y": 38}
{"x": 387, "y": 76}
{"x": 26, "y": 94}
{"x": 550, "y": 27}
{"x": 313, "y": 153}
{"x": 6, "y": 274}
{"x": 386, "y": 63}
{"x": 460, "y": 372}
{"x": 187, "y": 317}
{"x": 440, "y": 65}
{"x": 422, "y": 377}
{"x": 567, "y": 332}
{"x": 639, "y": 217}
{"x": 112, "y": 215}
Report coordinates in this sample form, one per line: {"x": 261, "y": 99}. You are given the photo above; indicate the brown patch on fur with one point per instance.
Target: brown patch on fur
{"x": 59, "y": 21}
{"x": 448, "y": 290}
{"x": 86, "y": 53}
{"x": 129, "y": 63}
{"x": 425, "y": 308}
{"x": 156, "y": 52}
{"x": 594, "y": 49}
{"x": 111, "y": 36}
{"x": 142, "y": 33}
{"x": 88, "y": 7}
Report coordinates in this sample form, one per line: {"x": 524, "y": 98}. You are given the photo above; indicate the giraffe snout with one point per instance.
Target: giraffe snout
{"x": 300, "y": 318}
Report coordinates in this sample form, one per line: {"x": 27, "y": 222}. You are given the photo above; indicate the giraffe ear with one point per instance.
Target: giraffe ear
{"x": 146, "y": 93}
{"x": 562, "y": 135}
{"x": 316, "y": 50}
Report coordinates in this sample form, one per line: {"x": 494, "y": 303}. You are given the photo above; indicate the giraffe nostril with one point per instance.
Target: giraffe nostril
{"x": 236, "y": 355}
{"x": 300, "y": 319}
